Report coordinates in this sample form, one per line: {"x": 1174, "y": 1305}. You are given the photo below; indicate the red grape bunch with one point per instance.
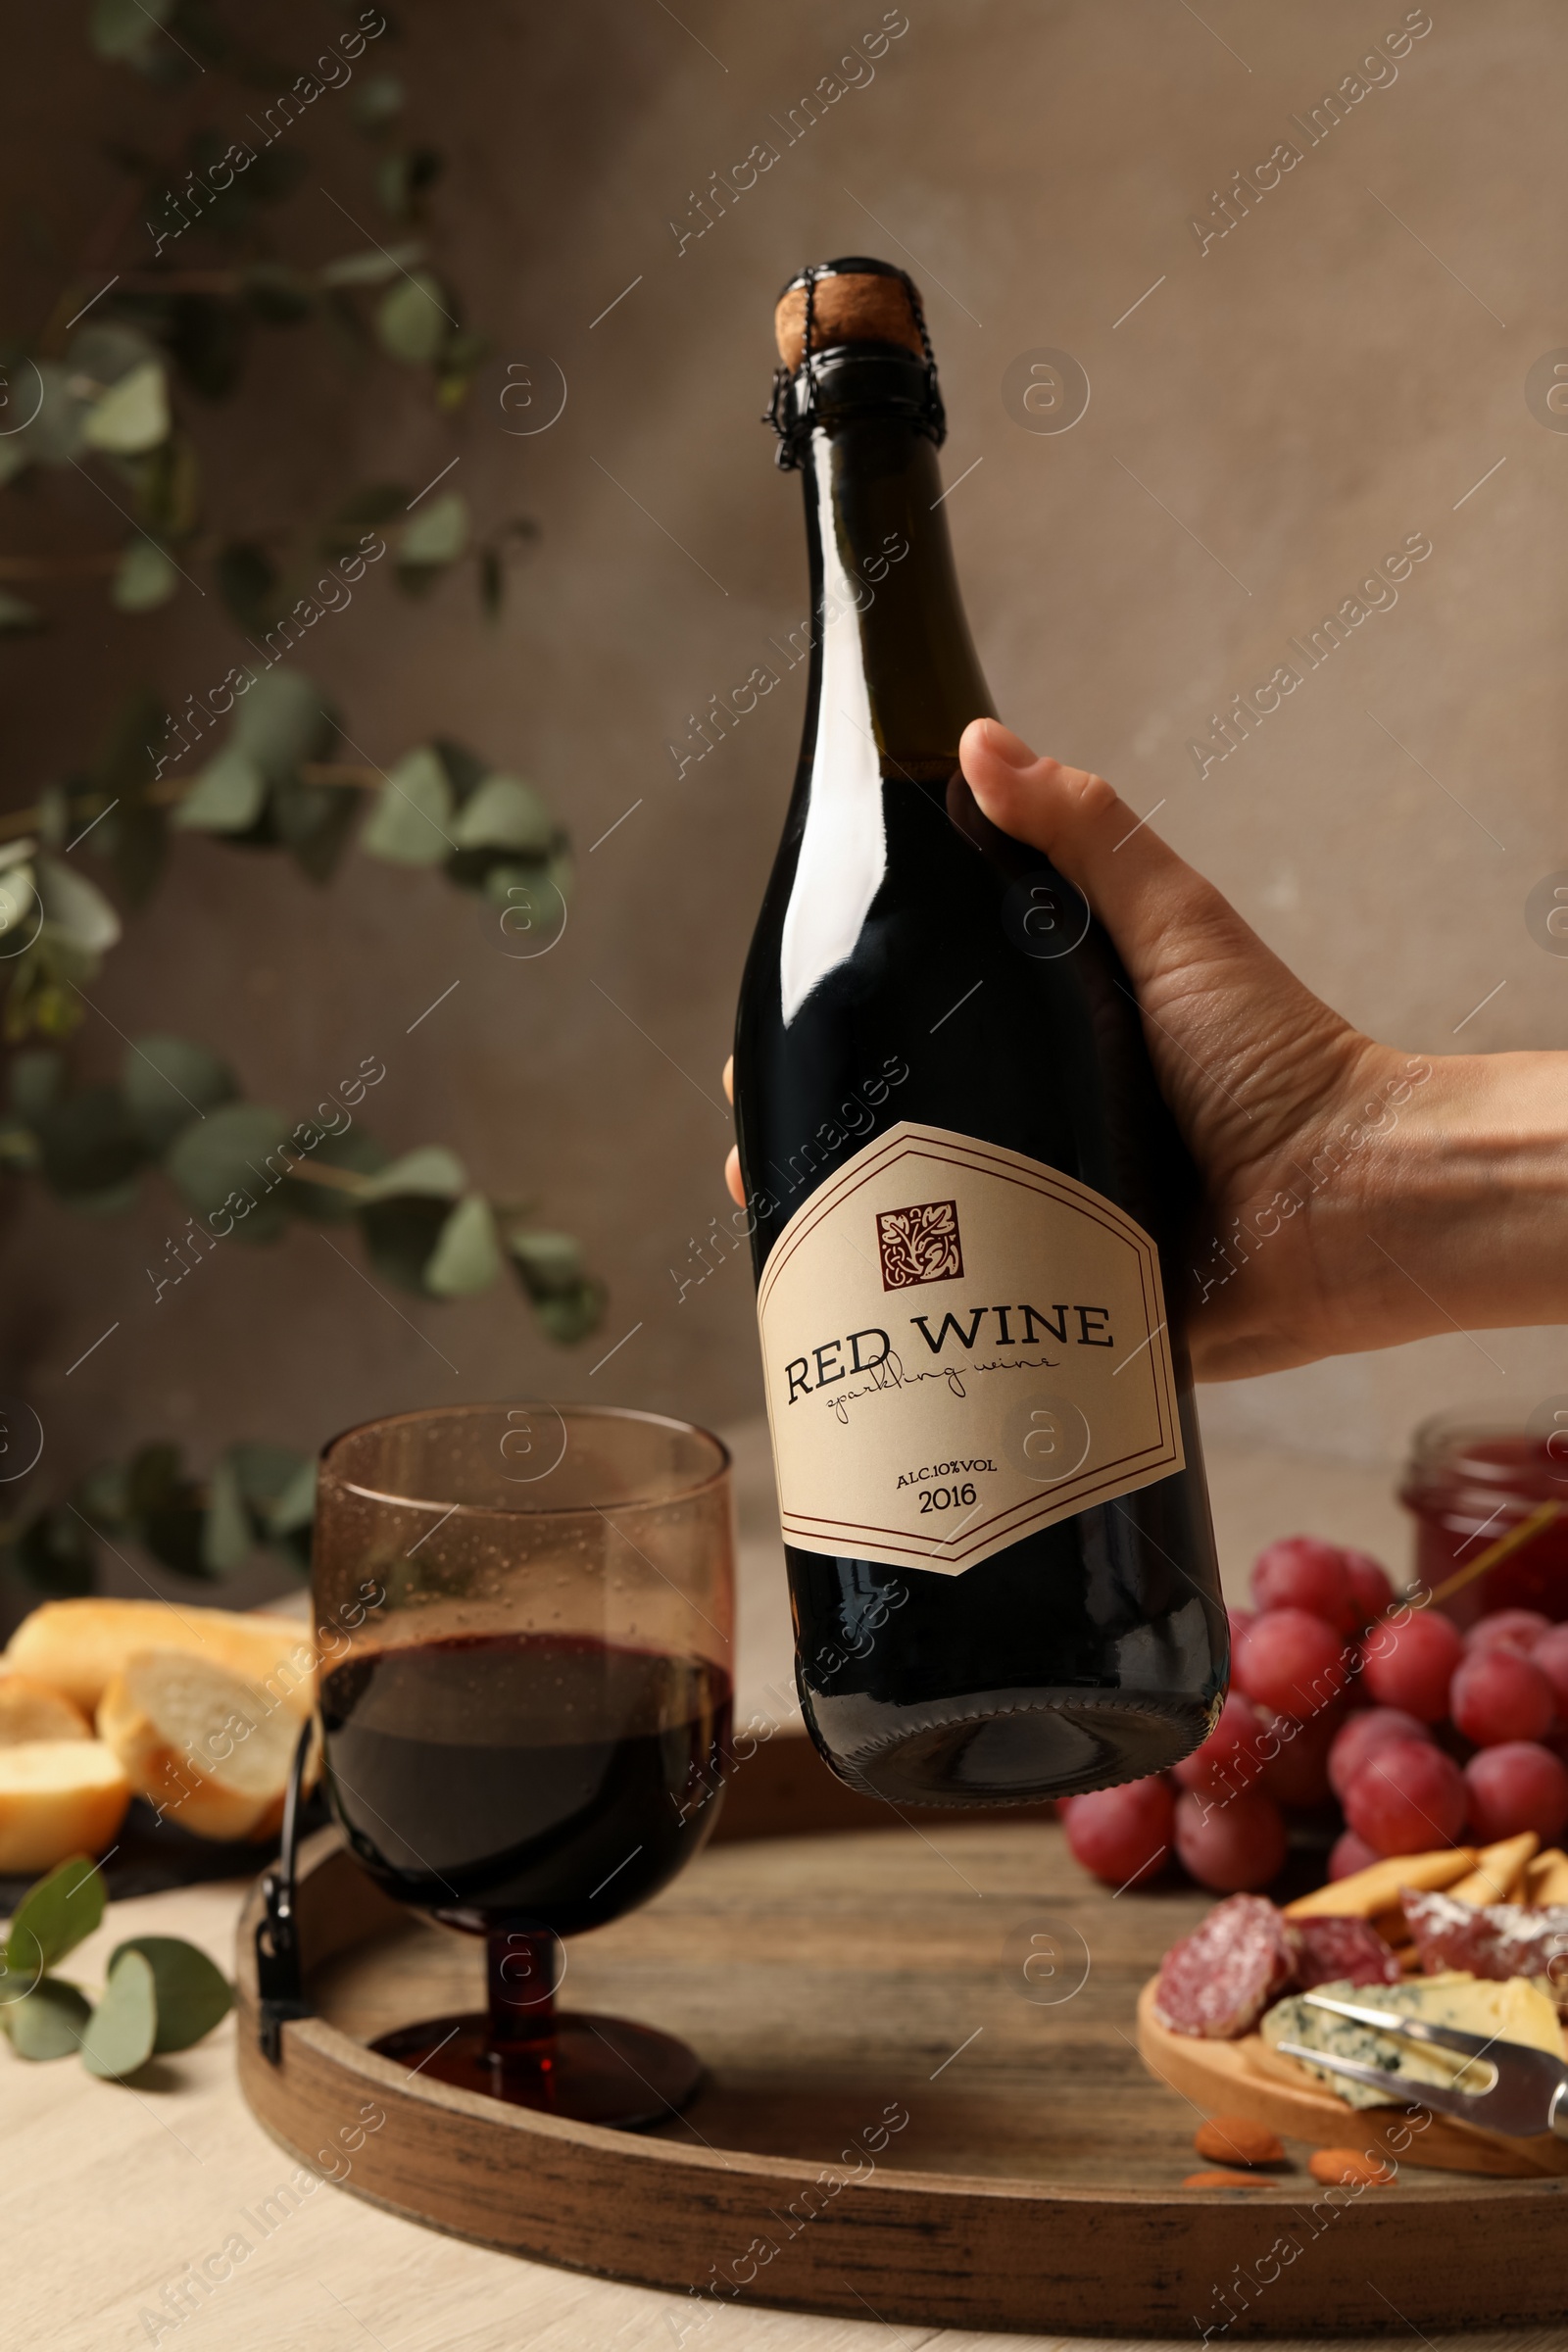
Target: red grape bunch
{"x": 1353, "y": 1711}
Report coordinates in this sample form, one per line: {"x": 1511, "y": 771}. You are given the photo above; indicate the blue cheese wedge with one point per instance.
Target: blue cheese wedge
{"x": 1519, "y": 2009}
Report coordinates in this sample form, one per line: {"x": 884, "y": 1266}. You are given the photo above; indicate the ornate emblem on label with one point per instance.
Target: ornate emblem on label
{"x": 1032, "y": 1378}
{"x": 919, "y": 1244}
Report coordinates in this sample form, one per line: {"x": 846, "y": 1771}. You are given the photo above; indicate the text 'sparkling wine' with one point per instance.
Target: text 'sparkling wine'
{"x": 967, "y": 1193}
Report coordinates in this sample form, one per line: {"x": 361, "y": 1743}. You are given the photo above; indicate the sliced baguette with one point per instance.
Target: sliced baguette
{"x": 79, "y": 1646}
{"x": 32, "y": 1710}
{"x": 58, "y": 1798}
{"x": 208, "y": 1748}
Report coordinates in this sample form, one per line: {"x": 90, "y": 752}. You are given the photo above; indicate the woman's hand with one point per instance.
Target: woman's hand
{"x": 1358, "y": 1197}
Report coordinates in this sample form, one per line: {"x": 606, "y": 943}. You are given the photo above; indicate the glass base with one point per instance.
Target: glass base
{"x": 589, "y": 2070}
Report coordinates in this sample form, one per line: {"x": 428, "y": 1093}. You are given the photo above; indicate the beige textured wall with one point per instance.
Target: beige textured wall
{"x": 1281, "y": 411}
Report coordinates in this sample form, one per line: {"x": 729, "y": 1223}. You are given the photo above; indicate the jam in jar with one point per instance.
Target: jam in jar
{"x": 1471, "y": 1478}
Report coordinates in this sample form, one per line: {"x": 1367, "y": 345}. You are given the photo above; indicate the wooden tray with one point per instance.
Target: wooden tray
{"x": 836, "y": 1985}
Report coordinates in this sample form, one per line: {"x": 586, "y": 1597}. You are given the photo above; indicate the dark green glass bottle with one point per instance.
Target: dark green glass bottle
{"x": 968, "y": 1195}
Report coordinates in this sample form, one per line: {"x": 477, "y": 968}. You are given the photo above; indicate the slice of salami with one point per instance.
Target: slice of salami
{"x": 1217, "y": 1982}
{"x": 1489, "y": 1940}
{"x": 1349, "y": 1950}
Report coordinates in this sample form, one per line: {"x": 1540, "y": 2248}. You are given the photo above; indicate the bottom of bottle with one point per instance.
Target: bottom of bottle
{"x": 1004, "y": 1748}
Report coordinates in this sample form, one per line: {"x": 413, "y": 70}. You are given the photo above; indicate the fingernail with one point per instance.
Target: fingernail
{"x": 1008, "y": 746}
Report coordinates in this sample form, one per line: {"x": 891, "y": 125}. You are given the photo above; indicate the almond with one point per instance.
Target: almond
{"x": 1235, "y": 2139}
{"x": 1222, "y": 2180}
{"x": 1350, "y": 2169}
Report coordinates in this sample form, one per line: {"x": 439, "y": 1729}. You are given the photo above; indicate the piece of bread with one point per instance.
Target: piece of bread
{"x": 210, "y": 1750}
{"x": 58, "y": 1798}
{"x": 79, "y": 1646}
{"x": 32, "y": 1710}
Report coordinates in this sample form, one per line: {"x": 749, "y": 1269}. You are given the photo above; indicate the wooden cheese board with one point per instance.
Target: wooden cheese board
{"x": 924, "y": 2100}
{"x": 1248, "y": 2077}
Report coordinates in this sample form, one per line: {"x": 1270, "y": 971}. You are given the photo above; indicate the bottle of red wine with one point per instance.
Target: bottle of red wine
{"x": 969, "y": 1197}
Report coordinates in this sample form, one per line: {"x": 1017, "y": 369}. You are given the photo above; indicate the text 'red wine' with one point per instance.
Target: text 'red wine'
{"x": 967, "y": 1194}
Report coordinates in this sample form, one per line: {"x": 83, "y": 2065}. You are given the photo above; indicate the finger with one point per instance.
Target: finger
{"x": 732, "y": 1177}
{"x": 729, "y": 1079}
{"x": 1135, "y": 882}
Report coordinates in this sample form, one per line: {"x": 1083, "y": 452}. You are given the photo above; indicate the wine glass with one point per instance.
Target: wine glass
{"x": 526, "y": 1729}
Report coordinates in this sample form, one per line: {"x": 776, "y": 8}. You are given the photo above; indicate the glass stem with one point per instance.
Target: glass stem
{"x": 521, "y": 1972}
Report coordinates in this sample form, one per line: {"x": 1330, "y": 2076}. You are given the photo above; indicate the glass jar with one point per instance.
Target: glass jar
{"x": 1471, "y": 1477}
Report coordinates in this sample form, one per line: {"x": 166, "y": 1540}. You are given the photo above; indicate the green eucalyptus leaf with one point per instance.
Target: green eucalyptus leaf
{"x": 132, "y": 417}
{"x": 19, "y": 910}
{"x": 315, "y": 821}
{"x": 89, "y": 1144}
{"x": 74, "y": 909}
{"x": 403, "y": 176}
{"x": 53, "y": 1916}
{"x": 191, "y": 1994}
{"x": 412, "y": 320}
{"x": 410, "y": 822}
{"x": 492, "y": 583}
{"x": 219, "y": 1165}
{"x": 372, "y": 269}
{"x": 133, "y": 842}
{"x": 54, "y": 825}
{"x": 401, "y": 1237}
{"x": 168, "y": 1081}
{"x": 123, "y": 31}
{"x": 50, "y": 2022}
{"x": 123, "y": 2031}
{"x": 432, "y": 1171}
{"x": 228, "y": 1537}
{"x": 438, "y": 533}
{"x": 375, "y": 101}
{"x": 145, "y": 579}
{"x": 227, "y": 797}
{"x": 106, "y": 350}
{"x": 16, "y": 616}
{"x": 293, "y": 1507}
{"x": 571, "y": 1318}
{"x": 36, "y": 1081}
{"x": 55, "y": 1554}
{"x": 65, "y": 402}
{"x": 247, "y": 581}
{"x": 467, "y": 1255}
{"x": 284, "y": 720}
{"x": 263, "y": 1470}
{"x": 506, "y": 813}
{"x": 551, "y": 1263}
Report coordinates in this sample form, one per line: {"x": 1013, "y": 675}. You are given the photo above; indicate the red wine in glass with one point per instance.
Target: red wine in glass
{"x": 525, "y": 1786}
{"x": 526, "y": 1730}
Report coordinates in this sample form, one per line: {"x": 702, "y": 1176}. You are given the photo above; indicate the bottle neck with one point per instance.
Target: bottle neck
{"x": 893, "y": 654}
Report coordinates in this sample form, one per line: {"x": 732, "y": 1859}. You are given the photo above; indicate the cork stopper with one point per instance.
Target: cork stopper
{"x": 853, "y": 302}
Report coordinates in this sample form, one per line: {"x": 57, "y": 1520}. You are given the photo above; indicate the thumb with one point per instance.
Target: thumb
{"x": 1148, "y": 898}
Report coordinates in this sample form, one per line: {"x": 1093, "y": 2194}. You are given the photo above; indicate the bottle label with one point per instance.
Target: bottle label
{"x": 959, "y": 1345}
